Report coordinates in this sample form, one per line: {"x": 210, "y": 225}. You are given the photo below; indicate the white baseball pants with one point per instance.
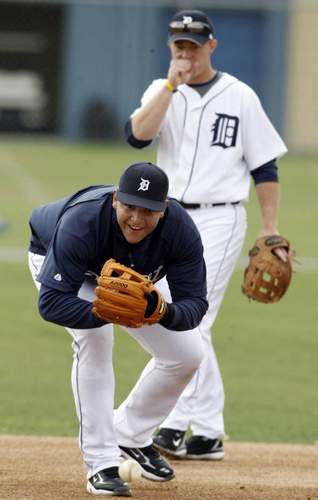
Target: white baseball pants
{"x": 201, "y": 404}
{"x": 175, "y": 358}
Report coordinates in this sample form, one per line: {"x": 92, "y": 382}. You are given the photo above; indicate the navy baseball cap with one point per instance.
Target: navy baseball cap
{"x": 144, "y": 185}
{"x": 192, "y": 25}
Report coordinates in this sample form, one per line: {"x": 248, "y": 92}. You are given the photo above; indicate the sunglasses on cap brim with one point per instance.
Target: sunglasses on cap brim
{"x": 192, "y": 27}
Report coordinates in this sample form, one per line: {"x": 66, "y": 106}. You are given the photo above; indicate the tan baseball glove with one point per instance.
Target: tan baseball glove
{"x": 267, "y": 277}
{"x": 126, "y": 297}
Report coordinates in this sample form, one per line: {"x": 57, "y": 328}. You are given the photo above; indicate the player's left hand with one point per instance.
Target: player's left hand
{"x": 267, "y": 276}
{"x": 126, "y": 297}
{"x": 281, "y": 253}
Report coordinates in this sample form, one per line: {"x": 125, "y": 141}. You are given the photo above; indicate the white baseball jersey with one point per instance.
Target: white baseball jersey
{"x": 208, "y": 145}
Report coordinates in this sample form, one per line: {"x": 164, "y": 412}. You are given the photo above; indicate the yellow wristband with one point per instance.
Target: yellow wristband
{"x": 169, "y": 86}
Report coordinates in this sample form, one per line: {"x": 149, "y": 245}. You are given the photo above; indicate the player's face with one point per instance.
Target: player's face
{"x": 199, "y": 57}
{"x": 135, "y": 222}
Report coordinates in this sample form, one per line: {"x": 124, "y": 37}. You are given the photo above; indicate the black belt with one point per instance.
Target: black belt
{"x": 206, "y": 205}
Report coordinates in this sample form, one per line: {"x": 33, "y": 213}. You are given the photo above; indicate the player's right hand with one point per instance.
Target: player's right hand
{"x": 180, "y": 71}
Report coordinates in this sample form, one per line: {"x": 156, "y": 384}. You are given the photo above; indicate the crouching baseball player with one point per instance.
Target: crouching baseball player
{"x": 94, "y": 257}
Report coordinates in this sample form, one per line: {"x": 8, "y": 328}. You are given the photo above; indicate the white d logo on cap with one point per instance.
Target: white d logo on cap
{"x": 187, "y": 19}
{"x": 144, "y": 184}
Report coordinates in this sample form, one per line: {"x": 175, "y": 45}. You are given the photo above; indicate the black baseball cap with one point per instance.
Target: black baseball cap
{"x": 144, "y": 185}
{"x": 192, "y": 25}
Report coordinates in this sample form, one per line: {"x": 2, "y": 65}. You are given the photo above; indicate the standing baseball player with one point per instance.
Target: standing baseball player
{"x": 71, "y": 240}
{"x": 213, "y": 136}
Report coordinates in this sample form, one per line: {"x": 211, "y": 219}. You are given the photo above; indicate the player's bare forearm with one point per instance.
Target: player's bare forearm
{"x": 147, "y": 120}
{"x": 268, "y": 197}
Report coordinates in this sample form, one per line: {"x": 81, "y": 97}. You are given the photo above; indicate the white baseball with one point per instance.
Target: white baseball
{"x": 130, "y": 470}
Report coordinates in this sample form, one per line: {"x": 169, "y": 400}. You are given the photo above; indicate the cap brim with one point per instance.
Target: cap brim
{"x": 191, "y": 37}
{"x": 138, "y": 201}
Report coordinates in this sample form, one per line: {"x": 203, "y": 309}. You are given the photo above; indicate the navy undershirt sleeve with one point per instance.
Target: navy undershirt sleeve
{"x": 265, "y": 173}
{"x": 132, "y": 140}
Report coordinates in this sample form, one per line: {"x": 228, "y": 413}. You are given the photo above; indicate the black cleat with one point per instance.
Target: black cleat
{"x": 153, "y": 466}
{"x": 203, "y": 448}
{"x": 108, "y": 482}
{"x": 171, "y": 441}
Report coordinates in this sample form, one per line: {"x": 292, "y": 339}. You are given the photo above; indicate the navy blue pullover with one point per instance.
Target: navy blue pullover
{"x": 79, "y": 233}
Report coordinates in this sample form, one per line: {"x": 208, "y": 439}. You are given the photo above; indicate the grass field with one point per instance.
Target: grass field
{"x": 268, "y": 354}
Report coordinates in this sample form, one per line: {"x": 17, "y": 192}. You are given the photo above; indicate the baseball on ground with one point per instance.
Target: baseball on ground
{"x": 130, "y": 470}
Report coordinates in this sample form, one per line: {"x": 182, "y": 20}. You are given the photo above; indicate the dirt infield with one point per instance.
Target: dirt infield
{"x": 51, "y": 468}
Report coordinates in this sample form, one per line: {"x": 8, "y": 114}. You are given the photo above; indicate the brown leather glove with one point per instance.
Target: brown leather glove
{"x": 267, "y": 277}
{"x": 126, "y": 297}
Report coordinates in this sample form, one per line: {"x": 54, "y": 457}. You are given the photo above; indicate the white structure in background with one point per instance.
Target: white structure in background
{"x": 22, "y": 92}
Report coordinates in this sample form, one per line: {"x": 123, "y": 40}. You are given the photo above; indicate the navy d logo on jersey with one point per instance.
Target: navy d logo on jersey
{"x": 224, "y": 131}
